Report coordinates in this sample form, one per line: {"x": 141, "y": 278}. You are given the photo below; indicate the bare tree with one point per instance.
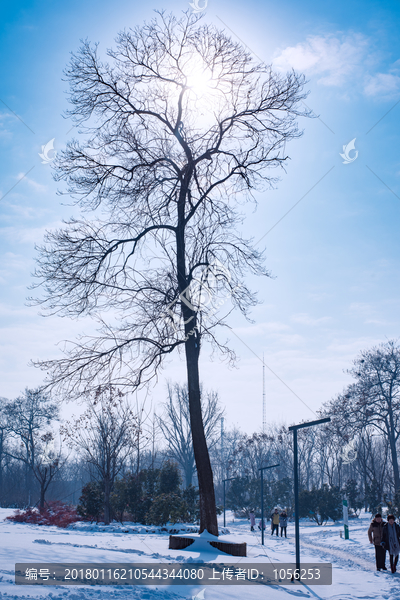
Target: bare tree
{"x": 373, "y": 401}
{"x": 145, "y": 433}
{"x": 255, "y": 451}
{"x": 105, "y": 434}
{"x": 371, "y": 462}
{"x": 3, "y": 439}
{"x": 29, "y": 420}
{"x": 181, "y": 126}
{"x": 176, "y": 427}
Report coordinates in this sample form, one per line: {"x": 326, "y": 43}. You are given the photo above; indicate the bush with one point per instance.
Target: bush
{"x": 133, "y": 496}
{"x": 169, "y": 480}
{"x": 91, "y": 502}
{"x": 238, "y": 495}
{"x": 130, "y": 496}
{"x": 119, "y": 499}
{"x": 373, "y": 497}
{"x": 191, "y": 498}
{"x": 321, "y": 504}
{"x": 393, "y": 506}
{"x": 55, "y": 513}
{"x": 165, "y": 508}
{"x": 354, "y": 496}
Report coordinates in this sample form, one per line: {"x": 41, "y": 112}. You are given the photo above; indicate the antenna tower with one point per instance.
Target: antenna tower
{"x": 222, "y": 447}
{"x": 264, "y": 421}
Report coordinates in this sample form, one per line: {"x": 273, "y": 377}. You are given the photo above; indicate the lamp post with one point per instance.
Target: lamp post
{"x": 224, "y": 480}
{"x": 262, "y": 469}
{"x": 294, "y": 428}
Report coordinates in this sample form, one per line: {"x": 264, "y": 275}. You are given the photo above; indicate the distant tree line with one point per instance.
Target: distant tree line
{"x": 355, "y": 455}
{"x": 116, "y": 461}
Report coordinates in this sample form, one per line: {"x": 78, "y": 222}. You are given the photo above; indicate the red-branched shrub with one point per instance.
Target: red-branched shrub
{"x": 55, "y": 513}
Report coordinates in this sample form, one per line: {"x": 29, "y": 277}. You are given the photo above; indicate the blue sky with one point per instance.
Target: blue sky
{"x": 335, "y": 256}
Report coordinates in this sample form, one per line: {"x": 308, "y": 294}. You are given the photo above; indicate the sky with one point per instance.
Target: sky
{"x": 330, "y": 229}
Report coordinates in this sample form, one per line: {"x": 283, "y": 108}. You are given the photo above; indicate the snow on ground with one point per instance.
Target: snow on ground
{"x": 354, "y": 575}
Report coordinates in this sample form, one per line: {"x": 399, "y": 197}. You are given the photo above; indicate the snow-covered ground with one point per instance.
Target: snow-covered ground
{"x": 354, "y": 575}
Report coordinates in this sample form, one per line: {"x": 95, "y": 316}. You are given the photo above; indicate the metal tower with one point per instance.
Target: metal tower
{"x": 222, "y": 447}
{"x": 264, "y": 420}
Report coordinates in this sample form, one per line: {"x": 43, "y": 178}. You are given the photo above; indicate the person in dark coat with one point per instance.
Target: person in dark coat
{"x": 283, "y": 522}
{"x": 391, "y": 540}
{"x": 275, "y": 522}
{"x": 375, "y": 537}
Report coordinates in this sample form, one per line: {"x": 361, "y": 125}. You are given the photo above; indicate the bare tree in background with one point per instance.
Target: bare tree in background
{"x": 105, "y": 434}
{"x": 3, "y": 440}
{"x": 29, "y": 420}
{"x": 181, "y": 126}
{"x": 176, "y": 427}
{"x": 373, "y": 401}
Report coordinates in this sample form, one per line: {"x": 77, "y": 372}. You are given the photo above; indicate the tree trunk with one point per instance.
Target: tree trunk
{"x": 42, "y": 493}
{"x": 138, "y": 455}
{"x": 1, "y": 457}
{"x": 208, "y": 510}
{"x": 365, "y": 476}
{"x": 188, "y": 474}
{"x": 208, "y": 513}
{"x": 107, "y": 492}
{"x": 393, "y": 452}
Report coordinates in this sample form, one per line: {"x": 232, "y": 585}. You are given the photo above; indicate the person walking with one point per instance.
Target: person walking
{"x": 391, "y": 541}
{"x": 252, "y": 520}
{"x": 261, "y": 524}
{"x": 275, "y": 522}
{"x": 375, "y": 537}
{"x": 283, "y": 522}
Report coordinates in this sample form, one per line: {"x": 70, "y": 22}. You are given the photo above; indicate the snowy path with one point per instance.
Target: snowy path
{"x": 354, "y": 577}
{"x": 329, "y": 552}
{"x": 318, "y": 548}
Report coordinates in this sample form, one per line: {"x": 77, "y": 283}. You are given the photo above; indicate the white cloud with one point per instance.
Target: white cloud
{"x": 334, "y": 58}
{"x": 305, "y": 319}
{"x": 4, "y": 132}
{"x": 380, "y": 322}
{"x": 24, "y": 212}
{"x": 317, "y": 297}
{"x": 34, "y": 184}
{"x": 11, "y": 262}
{"x": 29, "y": 235}
{"x": 382, "y": 84}
{"x": 270, "y": 327}
{"x": 362, "y": 308}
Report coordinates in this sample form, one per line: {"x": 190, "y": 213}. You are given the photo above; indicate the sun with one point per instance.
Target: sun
{"x": 199, "y": 81}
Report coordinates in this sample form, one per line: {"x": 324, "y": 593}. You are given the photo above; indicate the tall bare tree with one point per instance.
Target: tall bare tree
{"x": 3, "y": 440}
{"x": 176, "y": 427}
{"x": 29, "y": 420}
{"x": 373, "y": 401}
{"x": 105, "y": 434}
{"x": 180, "y": 126}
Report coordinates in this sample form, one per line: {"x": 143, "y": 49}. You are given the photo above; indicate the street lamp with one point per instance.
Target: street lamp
{"x": 224, "y": 480}
{"x": 294, "y": 428}
{"x": 262, "y": 469}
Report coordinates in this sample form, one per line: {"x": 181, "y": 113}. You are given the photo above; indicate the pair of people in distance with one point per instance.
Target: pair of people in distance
{"x": 276, "y": 521}
{"x": 386, "y": 537}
